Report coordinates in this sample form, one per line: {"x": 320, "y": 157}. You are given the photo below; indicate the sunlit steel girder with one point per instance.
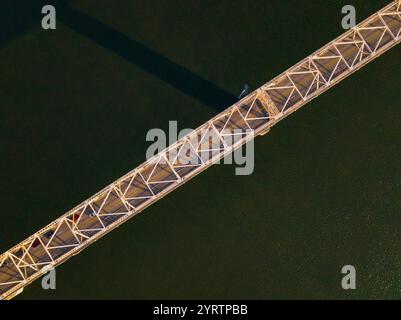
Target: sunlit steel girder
{"x": 254, "y": 115}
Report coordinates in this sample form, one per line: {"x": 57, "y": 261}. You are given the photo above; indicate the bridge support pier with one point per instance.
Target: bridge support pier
{"x": 267, "y": 130}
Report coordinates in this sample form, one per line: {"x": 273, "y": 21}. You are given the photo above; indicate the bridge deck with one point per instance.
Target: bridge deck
{"x": 251, "y": 116}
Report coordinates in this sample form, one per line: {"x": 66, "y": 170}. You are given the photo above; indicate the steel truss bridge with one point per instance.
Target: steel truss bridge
{"x": 253, "y": 115}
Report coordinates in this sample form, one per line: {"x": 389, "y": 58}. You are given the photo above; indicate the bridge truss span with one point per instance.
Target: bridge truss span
{"x": 253, "y": 115}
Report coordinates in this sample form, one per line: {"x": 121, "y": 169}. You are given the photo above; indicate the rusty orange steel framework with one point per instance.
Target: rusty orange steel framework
{"x": 253, "y": 115}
